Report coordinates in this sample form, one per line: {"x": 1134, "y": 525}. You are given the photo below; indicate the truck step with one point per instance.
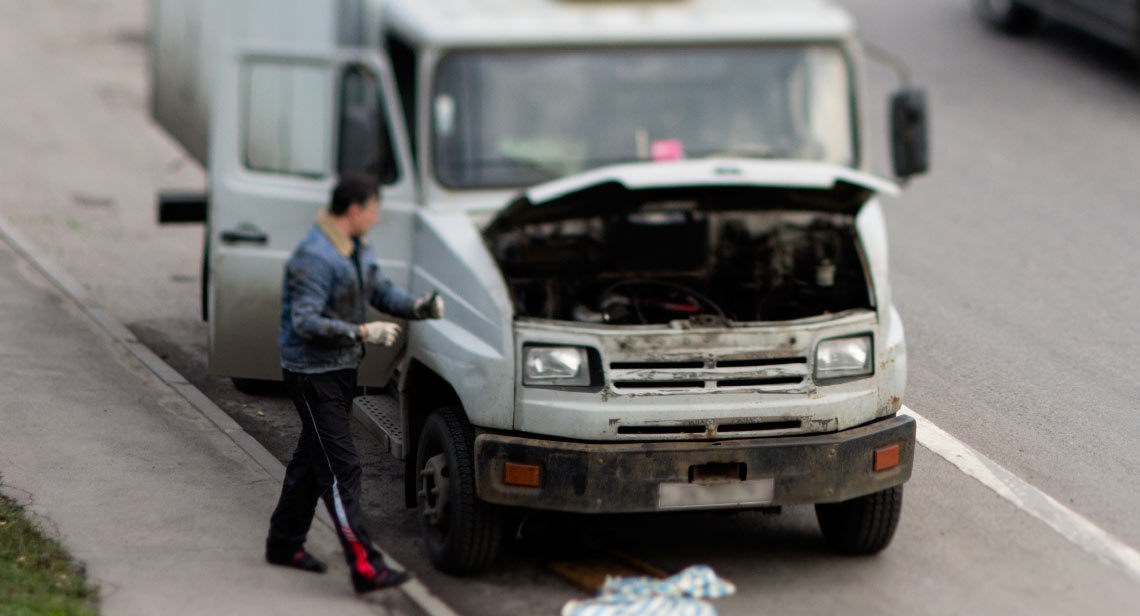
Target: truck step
{"x": 380, "y": 415}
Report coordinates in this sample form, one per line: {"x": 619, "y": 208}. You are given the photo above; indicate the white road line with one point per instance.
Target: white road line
{"x": 1072, "y": 525}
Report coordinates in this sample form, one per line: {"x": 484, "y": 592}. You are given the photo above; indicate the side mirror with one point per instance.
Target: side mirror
{"x": 910, "y": 152}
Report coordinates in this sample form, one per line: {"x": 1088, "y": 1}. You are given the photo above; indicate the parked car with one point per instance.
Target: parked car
{"x": 1115, "y": 21}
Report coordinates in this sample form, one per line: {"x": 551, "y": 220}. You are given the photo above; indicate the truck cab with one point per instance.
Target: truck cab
{"x": 663, "y": 258}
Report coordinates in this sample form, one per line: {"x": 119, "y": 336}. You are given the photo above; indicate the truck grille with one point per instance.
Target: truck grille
{"x": 777, "y": 374}
{"x": 722, "y": 428}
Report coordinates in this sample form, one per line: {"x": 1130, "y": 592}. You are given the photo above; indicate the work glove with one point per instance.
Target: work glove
{"x": 429, "y": 307}
{"x": 380, "y": 332}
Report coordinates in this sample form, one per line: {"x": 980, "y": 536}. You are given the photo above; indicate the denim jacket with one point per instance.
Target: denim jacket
{"x": 324, "y": 299}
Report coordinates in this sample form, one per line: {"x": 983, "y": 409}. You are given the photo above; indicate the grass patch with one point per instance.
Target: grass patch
{"x": 37, "y": 577}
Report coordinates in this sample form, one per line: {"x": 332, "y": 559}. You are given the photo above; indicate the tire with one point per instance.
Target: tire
{"x": 1008, "y": 15}
{"x": 863, "y": 525}
{"x": 462, "y": 534}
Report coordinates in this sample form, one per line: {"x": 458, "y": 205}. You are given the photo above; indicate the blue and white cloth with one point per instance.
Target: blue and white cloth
{"x": 680, "y": 595}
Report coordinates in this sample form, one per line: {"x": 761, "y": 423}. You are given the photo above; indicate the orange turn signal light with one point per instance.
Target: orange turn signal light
{"x": 525, "y": 475}
{"x": 886, "y": 457}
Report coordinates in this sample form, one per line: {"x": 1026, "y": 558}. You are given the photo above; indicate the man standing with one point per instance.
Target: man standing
{"x": 330, "y": 280}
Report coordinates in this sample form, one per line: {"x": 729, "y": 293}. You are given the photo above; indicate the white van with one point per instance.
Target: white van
{"x": 664, "y": 262}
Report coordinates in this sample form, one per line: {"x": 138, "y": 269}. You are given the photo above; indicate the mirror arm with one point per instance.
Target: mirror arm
{"x": 891, "y": 61}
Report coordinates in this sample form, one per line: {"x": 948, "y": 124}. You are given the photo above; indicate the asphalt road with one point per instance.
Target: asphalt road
{"x": 1013, "y": 265}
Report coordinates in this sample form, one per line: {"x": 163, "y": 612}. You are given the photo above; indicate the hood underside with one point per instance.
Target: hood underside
{"x": 710, "y": 184}
{"x": 703, "y": 241}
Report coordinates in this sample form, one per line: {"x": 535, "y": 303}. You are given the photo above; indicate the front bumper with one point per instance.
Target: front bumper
{"x": 654, "y": 476}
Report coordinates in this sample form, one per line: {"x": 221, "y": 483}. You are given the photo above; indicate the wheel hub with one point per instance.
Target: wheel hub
{"x": 434, "y": 490}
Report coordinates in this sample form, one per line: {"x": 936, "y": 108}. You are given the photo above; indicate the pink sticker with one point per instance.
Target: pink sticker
{"x": 667, "y": 149}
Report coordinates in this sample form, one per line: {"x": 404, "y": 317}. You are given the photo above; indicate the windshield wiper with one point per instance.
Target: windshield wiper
{"x": 746, "y": 151}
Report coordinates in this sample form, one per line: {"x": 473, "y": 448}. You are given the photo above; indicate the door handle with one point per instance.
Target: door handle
{"x": 246, "y": 233}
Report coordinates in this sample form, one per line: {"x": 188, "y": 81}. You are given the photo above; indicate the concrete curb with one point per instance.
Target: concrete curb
{"x": 414, "y": 589}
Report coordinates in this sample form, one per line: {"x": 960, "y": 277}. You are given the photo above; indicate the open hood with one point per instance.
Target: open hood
{"x": 712, "y": 184}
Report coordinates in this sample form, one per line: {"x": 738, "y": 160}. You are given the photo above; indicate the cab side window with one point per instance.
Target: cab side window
{"x": 365, "y": 144}
{"x": 285, "y": 112}
{"x": 403, "y": 57}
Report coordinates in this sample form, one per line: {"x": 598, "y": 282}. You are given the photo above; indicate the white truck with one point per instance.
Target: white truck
{"x": 662, "y": 255}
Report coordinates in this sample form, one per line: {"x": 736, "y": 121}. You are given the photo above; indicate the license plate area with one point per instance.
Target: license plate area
{"x": 716, "y": 485}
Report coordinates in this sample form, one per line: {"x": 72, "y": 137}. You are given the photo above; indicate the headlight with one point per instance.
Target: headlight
{"x": 556, "y": 366}
{"x": 843, "y": 357}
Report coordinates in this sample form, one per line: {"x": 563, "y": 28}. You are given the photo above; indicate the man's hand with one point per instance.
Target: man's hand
{"x": 429, "y": 306}
{"x": 379, "y": 332}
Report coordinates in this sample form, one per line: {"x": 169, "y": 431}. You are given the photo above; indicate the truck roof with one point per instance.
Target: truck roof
{"x": 530, "y": 23}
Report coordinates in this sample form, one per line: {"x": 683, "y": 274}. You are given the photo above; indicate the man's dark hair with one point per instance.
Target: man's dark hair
{"x": 352, "y": 189}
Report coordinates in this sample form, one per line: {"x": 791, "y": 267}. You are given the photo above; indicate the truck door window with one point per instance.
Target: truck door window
{"x": 285, "y": 111}
{"x": 403, "y": 58}
{"x": 365, "y": 144}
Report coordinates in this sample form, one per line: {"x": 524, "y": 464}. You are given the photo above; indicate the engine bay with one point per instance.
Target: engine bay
{"x": 666, "y": 261}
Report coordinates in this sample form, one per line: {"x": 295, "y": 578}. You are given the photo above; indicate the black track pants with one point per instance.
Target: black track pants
{"x": 324, "y": 465}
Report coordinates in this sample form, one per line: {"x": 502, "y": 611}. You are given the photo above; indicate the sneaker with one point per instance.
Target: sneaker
{"x": 299, "y": 560}
{"x": 384, "y": 578}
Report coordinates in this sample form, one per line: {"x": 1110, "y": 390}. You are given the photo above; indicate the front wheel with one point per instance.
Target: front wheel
{"x": 1008, "y": 15}
{"x": 863, "y": 525}
{"x": 462, "y": 534}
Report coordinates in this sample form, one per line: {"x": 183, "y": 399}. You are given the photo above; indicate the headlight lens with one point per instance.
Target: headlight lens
{"x": 556, "y": 366}
{"x": 843, "y": 357}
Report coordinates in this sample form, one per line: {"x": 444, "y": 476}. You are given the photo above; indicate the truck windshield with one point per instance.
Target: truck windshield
{"x": 514, "y": 118}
